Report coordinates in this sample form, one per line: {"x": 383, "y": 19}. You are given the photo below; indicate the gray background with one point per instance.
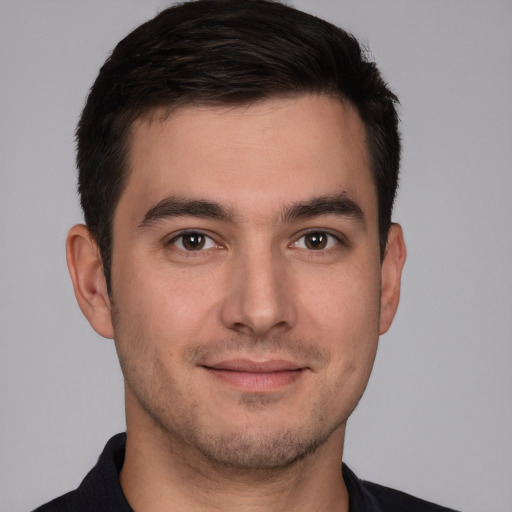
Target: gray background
{"x": 436, "y": 420}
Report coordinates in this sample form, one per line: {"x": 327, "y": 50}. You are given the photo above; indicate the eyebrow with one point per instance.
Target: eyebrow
{"x": 178, "y": 207}
{"x": 336, "y": 204}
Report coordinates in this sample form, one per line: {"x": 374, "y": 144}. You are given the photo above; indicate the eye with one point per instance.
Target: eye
{"x": 316, "y": 241}
{"x": 193, "y": 241}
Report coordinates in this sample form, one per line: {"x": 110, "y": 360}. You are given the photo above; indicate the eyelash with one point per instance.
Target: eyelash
{"x": 331, "y": 237}
{"x": 181, "y": 236}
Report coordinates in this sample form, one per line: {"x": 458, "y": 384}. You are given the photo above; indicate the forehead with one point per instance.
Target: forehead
{"x": 251, "y": 158}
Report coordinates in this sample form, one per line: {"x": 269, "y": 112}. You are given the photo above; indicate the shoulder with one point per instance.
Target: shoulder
{"x": 396, "y": 501}
{"x": 64, "y": 503}
{"x": 100, "y": 491}
{"x": 369, "y": 497}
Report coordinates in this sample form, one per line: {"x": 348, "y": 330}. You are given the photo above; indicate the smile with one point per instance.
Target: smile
{"x": 256, "y": 376}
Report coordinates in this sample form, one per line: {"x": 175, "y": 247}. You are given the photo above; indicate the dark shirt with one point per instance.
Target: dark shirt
{"x": 101, "y": 491}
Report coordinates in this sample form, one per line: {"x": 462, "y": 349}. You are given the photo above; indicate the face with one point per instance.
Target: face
{"x": 246, "y": 278}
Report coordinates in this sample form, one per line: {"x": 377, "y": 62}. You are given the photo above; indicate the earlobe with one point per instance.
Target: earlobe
{"x": 391, "y": 274}
{"x": 86, "y": 271}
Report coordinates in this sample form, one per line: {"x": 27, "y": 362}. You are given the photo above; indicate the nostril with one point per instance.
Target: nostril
{"x": 242, "y": 328}
{"x": 281, "y": 325}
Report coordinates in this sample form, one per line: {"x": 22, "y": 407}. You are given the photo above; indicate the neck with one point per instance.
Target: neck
{"x": 161, "y": 474}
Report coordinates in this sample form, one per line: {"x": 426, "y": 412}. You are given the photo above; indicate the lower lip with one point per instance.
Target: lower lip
{"x": 257, "y": 381}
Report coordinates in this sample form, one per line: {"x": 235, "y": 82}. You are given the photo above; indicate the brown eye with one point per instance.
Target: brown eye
{"x": 193, "y": 241}
{"x": 316, "y": 241}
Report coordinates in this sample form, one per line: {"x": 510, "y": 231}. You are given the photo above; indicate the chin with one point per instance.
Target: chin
{"x": 264, "y": 449}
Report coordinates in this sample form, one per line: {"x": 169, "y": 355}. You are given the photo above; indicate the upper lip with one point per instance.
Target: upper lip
{"x": 251, "y": 366}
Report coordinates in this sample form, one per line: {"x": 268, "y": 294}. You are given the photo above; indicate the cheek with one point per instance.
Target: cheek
{"x": 167, "y": 304}
{"x": 342, "y": 313}
{"x": 345, "y": 302}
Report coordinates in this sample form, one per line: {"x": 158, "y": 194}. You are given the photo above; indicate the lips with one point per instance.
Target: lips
{"x": 256, "y": 376}
{"x": 246, "y": 365}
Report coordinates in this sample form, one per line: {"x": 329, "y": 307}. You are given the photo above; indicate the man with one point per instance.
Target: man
{"x": 238, "y": 163}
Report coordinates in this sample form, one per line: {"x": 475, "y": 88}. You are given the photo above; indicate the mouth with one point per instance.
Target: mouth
{"x": 256, "y": 376}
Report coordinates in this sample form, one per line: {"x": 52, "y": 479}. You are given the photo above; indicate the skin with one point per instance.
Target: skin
{"x": 246, "y": 324}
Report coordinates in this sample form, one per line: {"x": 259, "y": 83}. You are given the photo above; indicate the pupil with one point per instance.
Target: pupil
{"x": 316, "y": 241}
{"x": 193, "y": 241}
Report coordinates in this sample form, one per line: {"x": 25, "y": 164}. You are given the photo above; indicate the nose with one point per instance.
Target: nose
{"x": 259, "y": 300}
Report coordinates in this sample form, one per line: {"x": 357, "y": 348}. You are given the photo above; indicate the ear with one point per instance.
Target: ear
{"x": 391, "y": 274}
{"x": 86, "y": 270}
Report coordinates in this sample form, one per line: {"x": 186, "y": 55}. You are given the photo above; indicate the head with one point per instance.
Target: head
{"x": 238, "y": 163}
{"x": 225, "y": 53}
